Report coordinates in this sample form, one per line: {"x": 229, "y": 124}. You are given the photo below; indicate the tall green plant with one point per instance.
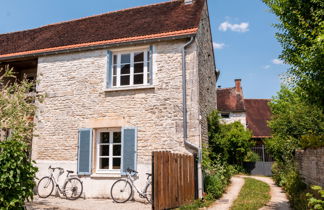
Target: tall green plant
{"x": 301, "y": 34}
{"x": 17, "y": 109}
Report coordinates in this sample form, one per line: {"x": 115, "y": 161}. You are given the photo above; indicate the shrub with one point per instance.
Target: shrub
{"x": 251, "y": 157}
{"x": 316, "y": 198}
{"x": 16, "y": 175}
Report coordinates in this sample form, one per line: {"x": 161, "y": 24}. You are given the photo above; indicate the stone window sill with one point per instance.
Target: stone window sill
{"x": 106, "y": 175}
{"x": 130, "y": 88}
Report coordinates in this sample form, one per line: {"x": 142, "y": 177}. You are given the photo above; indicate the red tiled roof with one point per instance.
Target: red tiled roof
{"x": 172, "y": 18}
{"x": 257, "y": 114}
{"x": 229, "y": 100}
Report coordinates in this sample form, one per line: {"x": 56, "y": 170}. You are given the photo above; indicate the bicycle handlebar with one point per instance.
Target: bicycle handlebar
{"x": 131, "y": 171}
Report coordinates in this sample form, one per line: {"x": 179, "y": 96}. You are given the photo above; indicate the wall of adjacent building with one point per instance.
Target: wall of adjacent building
{"x": 206, "y": 72}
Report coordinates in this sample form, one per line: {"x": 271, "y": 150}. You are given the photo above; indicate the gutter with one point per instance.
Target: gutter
{"x": 185, "y": 120}
{"x": 184, "y": 97}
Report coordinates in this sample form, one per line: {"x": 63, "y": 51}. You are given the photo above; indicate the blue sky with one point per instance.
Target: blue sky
{"x": 243, "y": 36}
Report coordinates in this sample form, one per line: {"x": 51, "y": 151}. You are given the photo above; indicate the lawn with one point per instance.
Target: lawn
{"x": 254, "y": 195}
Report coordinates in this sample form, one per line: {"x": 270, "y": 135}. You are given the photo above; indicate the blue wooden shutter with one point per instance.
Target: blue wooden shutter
{"x": 84, "y": 151}
{"x": 109, "y": 69}
{"x": 151, "y": 64}
{"x": 129, "y": 145}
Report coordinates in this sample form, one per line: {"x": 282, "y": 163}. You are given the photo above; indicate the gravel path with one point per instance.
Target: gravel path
{"x": 226, "y": 201}
{"x": 278, "y": 199}
{"x": 54, "y": 203}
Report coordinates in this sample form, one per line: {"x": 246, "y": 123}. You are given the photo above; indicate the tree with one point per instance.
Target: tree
{"x": 230, "y": 142}
{"x": 293, "y": 122}
{"x": 17, "y": 109}
{"x": 302, "y": 38}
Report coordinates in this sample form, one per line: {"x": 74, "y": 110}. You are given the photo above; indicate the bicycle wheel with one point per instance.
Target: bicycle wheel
{"x": 73, "y": 188}
{"x": 121, "y": 191}
{"x": 45, "y": 187}
{"x": 148, "y": 193}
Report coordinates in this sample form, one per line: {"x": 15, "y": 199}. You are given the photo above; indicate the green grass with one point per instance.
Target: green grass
{"x": 254, "y": 195}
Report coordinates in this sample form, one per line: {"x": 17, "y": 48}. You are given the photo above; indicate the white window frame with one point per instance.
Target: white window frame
{"x": 111, "y": 156}
{"x": 145, "y": 71}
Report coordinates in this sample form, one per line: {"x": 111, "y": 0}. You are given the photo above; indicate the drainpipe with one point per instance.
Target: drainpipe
{"x": 185, "y": 120}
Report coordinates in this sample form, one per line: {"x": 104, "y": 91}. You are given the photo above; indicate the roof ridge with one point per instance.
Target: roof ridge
{"x": 91, "y": 16}
{"x": 225, "y": 88}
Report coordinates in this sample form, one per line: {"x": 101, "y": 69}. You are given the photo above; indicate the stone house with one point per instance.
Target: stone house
{"x": 252, "y": 113}
{"x": 118, "y": 86}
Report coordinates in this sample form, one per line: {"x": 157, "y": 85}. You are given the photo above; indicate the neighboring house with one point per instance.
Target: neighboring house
{"x": 230, "y": 103}
{"x": 252, "y": 113}
{"x": 118, "y": 86}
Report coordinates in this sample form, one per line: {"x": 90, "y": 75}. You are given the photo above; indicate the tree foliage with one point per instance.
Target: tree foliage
{"x": 301, "y": 25}
{"x": 17, "y": 109}
{"x": 295, "y": 124}
{"x": 232, "y": 142}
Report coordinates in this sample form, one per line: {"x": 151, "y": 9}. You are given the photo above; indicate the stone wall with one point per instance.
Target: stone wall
{"x": 310, "y": 163}
{"x": 74, "y": 85}
{"x": 206, "y": 71}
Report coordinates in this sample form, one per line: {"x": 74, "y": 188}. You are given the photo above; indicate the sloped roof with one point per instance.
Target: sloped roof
{"x": 169, "y": 19}
{"x": 257, "y": 114}
{"x": 229, "y": 100}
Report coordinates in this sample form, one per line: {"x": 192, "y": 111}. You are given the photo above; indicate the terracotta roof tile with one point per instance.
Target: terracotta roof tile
{"x": 229, "y": 100}
{"x": 257, "y": 114}
{"x": 153, "y": 21}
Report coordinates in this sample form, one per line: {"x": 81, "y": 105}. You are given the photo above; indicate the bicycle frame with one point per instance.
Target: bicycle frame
{"x": 131, "y": 181}
{"x": 56, "y": 182}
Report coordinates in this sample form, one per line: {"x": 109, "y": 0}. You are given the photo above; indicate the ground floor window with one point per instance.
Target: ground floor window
{"x": 109, "y": 148}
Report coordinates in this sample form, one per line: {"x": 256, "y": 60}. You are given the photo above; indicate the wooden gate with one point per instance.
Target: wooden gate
{"x": 173, "y": 180}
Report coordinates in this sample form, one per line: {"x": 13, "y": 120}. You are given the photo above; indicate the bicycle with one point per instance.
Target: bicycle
{"x": 122, "y": 190}
{"x": 72, "y": 187}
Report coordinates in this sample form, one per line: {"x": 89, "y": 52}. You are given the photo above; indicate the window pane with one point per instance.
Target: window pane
{"x": 104, "y": 137}
{"x": 104, "y": 150}
{"x": 138, "y": 79}
{"x": 115, "y": 70}
{"x": 125, "y": 69}
{"x": 138, "y": 68}
{"x": 116, "y": 150}
{"x": 117, "y": 137}
{"x": 104, "y": 163}
{"x": 116, "y": 163}
{"x": 139, "y": 57}
{"x": 124, "y": 80}
{"x": 125, "y": 58}
{"x": 115, "y": 59}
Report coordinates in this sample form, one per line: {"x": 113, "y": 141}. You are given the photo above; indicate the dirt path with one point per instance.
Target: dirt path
{"x": 54, "y": 203}
{"x": 226, "y": 201}
{"x": 278, "y": 199}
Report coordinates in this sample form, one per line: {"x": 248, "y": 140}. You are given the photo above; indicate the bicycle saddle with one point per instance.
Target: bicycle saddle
{"x": 71, "y": 172}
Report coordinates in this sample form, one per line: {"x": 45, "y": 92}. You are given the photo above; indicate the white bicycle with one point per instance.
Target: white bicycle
{"x": 122, "y": 190}
{"x": 72, "y": 187}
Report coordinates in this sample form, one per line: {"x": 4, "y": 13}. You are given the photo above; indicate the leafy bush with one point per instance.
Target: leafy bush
{"x": 287, "y": 176}
{"x": 316, "y": 199}
{"x": 16, "y": 175}
{"x": 251, "y": 157}
{"x": 232, "y": 140}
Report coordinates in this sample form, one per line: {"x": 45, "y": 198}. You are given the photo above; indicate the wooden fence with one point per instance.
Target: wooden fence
{"x": 173, "y": 180}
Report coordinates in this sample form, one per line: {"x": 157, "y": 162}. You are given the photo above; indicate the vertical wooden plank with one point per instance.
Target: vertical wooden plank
{"x": 156, "y": 182}
{"x": 166, "y": 180}
{"x": 192, "y": 180}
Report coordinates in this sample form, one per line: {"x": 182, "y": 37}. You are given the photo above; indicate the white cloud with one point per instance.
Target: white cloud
{"x": 277, "y": 61}
{"x": 218, "y": 45}
{"x": 266, "y": 67}
{"x": 242, "y": 27}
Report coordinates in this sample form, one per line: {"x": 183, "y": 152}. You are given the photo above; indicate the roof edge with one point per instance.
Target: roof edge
{"x": 101, "y": 44}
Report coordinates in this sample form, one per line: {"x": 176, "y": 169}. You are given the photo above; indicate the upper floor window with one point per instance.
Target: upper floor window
{"x": 131, "y": 68}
